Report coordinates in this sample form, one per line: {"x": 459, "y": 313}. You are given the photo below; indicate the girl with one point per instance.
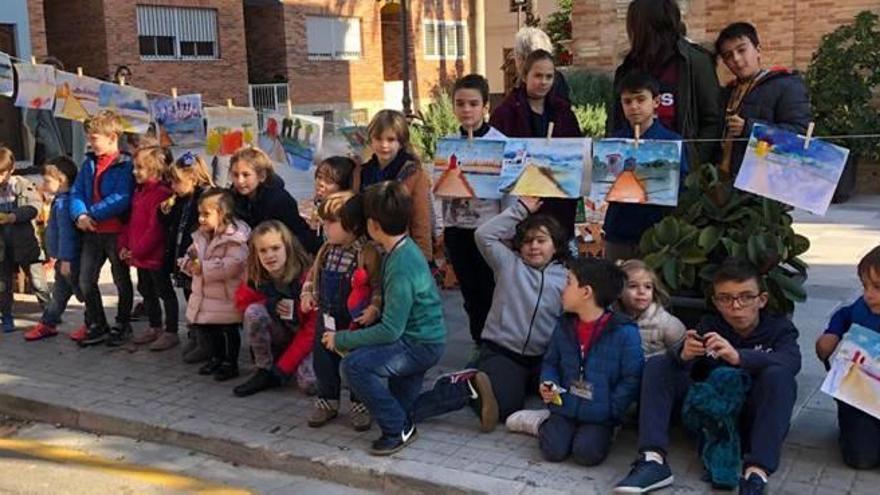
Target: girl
{"x": 394, "y": 159}
{"x": 259, "y": 195}
{"x": 216, "y": 261}
{"x": 643, "y": 299}
{"x": 527, "y": 113}
{"x": 142, "y": 245}
{"x": 189, "y": 178}
{"x": 280, "y": 333}
{"x": 347, "y": 254}
{"x": 332, "y": 175}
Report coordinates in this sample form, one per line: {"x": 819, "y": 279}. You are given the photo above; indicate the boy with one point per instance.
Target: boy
{"x": 774, "y": 96}
{"x": 742, "y": 336}
{"x": 626, "y": 222}
{"x": 99, "y": 202}
{"x": 63, "y": 245}
{"x": 859, "y": 432}
{"x": 461, "y": 217}
{"x": 409, "y": 338}
{"x": 20, "y": 202}
{"x": 591, "y": 341}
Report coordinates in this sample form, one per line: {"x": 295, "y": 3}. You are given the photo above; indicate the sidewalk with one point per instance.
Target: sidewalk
{"x": 156, "y": 397}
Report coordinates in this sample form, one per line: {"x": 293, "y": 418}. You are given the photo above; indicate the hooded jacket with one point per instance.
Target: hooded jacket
{"x": 273, "y": 202}
{"x": 21, "y": 198}
{"x": 62, "y": 237}
{"x": 223, "y": 259}
{"x": 144, "y": 235}
{"x": 116, "y": 187}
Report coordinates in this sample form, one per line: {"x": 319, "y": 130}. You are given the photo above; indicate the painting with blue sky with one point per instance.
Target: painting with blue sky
{"x": 7, "y": 77}
{"x": 181, "y": 121}
{"x": 854, "y": 376}
{"x": 545, "y": 168}
{"x": 130, "y": 103}
{"x": 479, "y": 168}
{"x": 647, "y": 174}
{"x": 777, "y": 166}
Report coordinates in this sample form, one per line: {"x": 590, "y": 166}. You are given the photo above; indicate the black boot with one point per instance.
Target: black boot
{"x": 226, "y": 371}
{"x": 210, "y": 367}
{"x": 259, "y": 381}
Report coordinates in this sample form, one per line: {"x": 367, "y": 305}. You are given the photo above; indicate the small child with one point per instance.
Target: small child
{"x": 346, "y": 254}
{"x": 395, "y": 159}
{"x": 279, "y": 331}
{"x": 179, "y": 213}
{"x": 859, "y": 431}
{"x": 20, "y": 202}
{"x": 626, "y": 222}
{"x": 643, "y": 299}
{"x": 216, "y": 262}
{"x": 99, "y": 202}
{"x": 409, "y": 338}
{"x": 62, "y": 245}
{"x": 260, "y": 195}
{"x": 332, "y": 175}
{"x": 593, "y": 367}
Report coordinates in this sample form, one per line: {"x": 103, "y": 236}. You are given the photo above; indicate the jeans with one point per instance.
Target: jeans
{"x": 155, "y": 286}
{"x": 588, "y": 444}
{"x": 62, "y": 290}
{"x": 403, "y": 363}
{"x": 475, "y": 277}
{"x": 34, "y": 272}
{"x": 96, "y": 249}
{"x": 327, "y": 372}
{"x": 859, "y": 437}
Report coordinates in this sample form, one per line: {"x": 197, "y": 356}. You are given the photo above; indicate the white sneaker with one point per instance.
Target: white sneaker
{"x": 527, "y": 421}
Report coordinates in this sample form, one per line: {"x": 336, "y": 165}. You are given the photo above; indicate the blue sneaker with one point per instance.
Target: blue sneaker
{"x": 753, "y": 485}
{"x": 645, "y": 476}
{"x": 8, "y": 323}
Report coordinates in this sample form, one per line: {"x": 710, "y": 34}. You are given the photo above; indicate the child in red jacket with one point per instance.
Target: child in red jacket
{"x": 142, "y": 245}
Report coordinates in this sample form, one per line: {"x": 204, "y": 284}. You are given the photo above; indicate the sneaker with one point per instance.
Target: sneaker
{"x": 166, "y": 341}
{"x": 8, "y": 323}
{"x": 210, "y": 367}
{"x": 527, "y": 421}
{"x": 323, "y": 412}
{"x": 118, "y": 335}
{"x": 645, "y": 476}
{"x": 79, "y": 334}
{"x": 261, "y": 380}
{"x": 147, "y": 336}
{"x": 226, "y": 371}
{"x": 95, "y": 334}
{"x": 487, "y": 406}
{"x": 39, "y": 332}
{"x": 389, "y": 444}
{"x": 360, "y": 417}
{"x": 753, "y": 485}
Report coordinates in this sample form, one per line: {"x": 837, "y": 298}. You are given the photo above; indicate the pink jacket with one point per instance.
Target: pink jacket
{"x": 223, "y": 261}
{"x": 144, "y": 235}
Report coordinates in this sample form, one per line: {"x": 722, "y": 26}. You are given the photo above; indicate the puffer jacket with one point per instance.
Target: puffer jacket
{"x": 223, "y": 259}
{"x": 659, "y": 329}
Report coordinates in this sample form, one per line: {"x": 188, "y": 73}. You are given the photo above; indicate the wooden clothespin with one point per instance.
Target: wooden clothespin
{"x": 122, "y": 80}
{"x": 79, "y": 72}
{"x": 289, "y": 109}
{"x": 470, "y": 134}
{"x": 229, "y": 102}
{"x": 33, "y": 60}
{"x": 174, "y": 93}
{"x": 550, "y": 131}
{"x": 810, "y": 129}
{"x": 637, "y": 134}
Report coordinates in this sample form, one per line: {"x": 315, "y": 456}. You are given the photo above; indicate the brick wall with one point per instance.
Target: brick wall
{"x": 38, "y": 29}
{"x": 77, "y": 36}
{"x": 264, "y": 31}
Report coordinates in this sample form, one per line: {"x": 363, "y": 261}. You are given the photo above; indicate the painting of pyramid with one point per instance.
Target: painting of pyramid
{"x": 647, "y": 174}
{"x": 536, "y": 180}
{"x": 76, "y": 97}
{"x": 468, "y": 169}
{"x": 547, "y": 169}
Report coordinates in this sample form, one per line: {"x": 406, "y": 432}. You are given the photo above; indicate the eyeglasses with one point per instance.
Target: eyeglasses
{"x": 186, "y": 160}
{"x": 744, "y": 300}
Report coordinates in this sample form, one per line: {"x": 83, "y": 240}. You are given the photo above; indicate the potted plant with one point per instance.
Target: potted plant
{"x": 714, "y": 221}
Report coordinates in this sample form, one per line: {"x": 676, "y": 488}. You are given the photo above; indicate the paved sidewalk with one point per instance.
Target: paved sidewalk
{"x": 156, "y": 397}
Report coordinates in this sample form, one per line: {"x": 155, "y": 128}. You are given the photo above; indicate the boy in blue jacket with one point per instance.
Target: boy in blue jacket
{"x": 100, "y": 200}
{"x": 593, "y": 367}
{"x": 62, "y": 245}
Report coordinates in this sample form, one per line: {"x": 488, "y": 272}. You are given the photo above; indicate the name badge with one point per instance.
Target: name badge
{"x": 582, "y": 389}
{"x": 329, "y": 322}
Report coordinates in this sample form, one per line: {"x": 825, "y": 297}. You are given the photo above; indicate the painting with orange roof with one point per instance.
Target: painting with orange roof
{"x": 544, "y": 168}
{"x": 623, "y": 173}
{"x": 468, "y": 169}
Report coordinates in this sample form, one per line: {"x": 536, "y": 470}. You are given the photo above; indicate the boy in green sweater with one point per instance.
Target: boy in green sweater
{"x": 409, "y": 338}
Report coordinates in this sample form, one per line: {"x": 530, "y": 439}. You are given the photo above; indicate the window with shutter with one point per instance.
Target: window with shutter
{"x": 333, "y": 38}
{"x": 176, "y": 33}
{"x": 445, "y": 39}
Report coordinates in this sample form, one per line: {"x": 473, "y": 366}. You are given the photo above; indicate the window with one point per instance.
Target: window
{"x": 445, "y": 39}
{"x": 333, "y": 38}
{"x": 174, "y": 33}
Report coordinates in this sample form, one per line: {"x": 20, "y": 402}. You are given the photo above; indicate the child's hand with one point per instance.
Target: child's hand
{"x": 825, "y": 345}
{"x": 718, "y": 347}
{"x": 531, "y": 203}
{"x": 65, "y": 268}
{"x": 165, "y": 206}
{"x": 284, "y": 308}
{"x": 195, "y": 267}
{"x": 7, "y": 218}
{"x": 329, "y": 341}
{"x": 306, "y": 302}
{"x": 125, "y": 254}
{"x": 86, "y": 224}
{"x": 368, "y": 317}
{"x": 548, "y": 392}
{"x": 693, "y": 346}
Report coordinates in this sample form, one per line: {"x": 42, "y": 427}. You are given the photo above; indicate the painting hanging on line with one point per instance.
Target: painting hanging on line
{"x": 649, "y": 173}
{"x": 299, "y": 137}
{"x": 76, "y": 97}
{"x": 130, "y": 103}
{"x": 7, "y": 76}
{"x": 545, "y": 168}
{"x": 180, "y": 120}
{"x": 468, "y": 169}
{"x": 230, "y": 128}
{"x": 36, "y": 86}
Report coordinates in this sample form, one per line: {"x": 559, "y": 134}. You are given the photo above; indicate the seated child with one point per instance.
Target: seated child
{"x": 643, "y": 299}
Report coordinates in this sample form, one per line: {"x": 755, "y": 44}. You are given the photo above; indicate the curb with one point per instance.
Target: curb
{"x": 298, "y": 457}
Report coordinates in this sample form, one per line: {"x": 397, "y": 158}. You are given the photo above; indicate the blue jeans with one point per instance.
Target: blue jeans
{"x": 62, "y": 290}
{"x": 403, "y": 364}
{"x": 588, "y": 443}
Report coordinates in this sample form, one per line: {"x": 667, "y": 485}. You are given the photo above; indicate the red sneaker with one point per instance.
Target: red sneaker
{"x": 39, "y": 332}
{"x": 79, "y": 334}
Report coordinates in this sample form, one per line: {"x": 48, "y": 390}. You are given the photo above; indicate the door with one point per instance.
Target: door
{"x": 10, "y": 116}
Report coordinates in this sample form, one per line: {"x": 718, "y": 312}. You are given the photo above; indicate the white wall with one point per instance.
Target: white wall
{"x": 15, "y": 12}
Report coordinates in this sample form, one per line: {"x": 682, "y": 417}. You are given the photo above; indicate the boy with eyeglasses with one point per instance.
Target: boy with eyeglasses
{"x": 743, "y": 336}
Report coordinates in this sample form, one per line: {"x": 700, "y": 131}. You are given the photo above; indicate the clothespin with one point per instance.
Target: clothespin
{"x": 550, "y": 132}
{"x": 471, "y": 134}
{"x": 289, "y": 109}
{"x": 810, "y": 129}
{"x": 79, "y": 72}
{"x": 122, "y": 80}
{"x": 229, "y": 102}
{"x": 637, "y": 134}
{"x": 33, "y": 60}
{"x": 174, "y": 93}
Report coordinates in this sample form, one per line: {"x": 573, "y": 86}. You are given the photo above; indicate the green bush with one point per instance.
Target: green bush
{"x": 434, "y": 122}
{"x": 591, "y": 119}
{"x": 589, "y": 88}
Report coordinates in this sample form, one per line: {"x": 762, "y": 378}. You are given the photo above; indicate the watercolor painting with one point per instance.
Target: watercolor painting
{"x": 545, "y": 168}
{"x": 299, "y": 137}
{"x": 76, "y": 98}
{"x": 777, "y": 166}
{"x": 130, "y": 103}
{"x": 230, "y": 128}
{"x": 854, "y": 377}
{"x": 36, "y": 86}
{"x": 358, "y": 140}
{"x": 180, "y": 120}
{"x": 649, "y": 174}
{"x": 7, "y": 76}
{"x": 468, "y": 169}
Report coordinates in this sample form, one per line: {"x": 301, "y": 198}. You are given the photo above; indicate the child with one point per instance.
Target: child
{"x": 625, "y": 222}
{"x": 409, "y": 338}
{"x": 260, "y": 195}
{"x": 461, "y": 217}
{"x": 332, "y": 175}
{"x": 524, "y": 251}
{"x": 346, "y": 252}
{"x": 395, "y": 159}
{"x": 279, "y": 332}
{"x": 741, "y": 336}
{"x": 216, "y": 262}
{"x": 63, "y": 245}
{"x": 859, "y": 432}
{"x": 643, "y": 299}
{"x": 593, "y": 366}
{"x": 99, "y": 203}
{"x": 189, "y": 179}
{"x": 142, "y": 245}
{"x": 20, "y": 202}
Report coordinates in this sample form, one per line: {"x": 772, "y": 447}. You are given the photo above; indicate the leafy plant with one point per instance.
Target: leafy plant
{"x": 591, "y": 119}
{"x": 589, "y": 88}
{"x": 558, "y": 27}
{"x": 436, "y": 121}
{"x": 714, "y": 221}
